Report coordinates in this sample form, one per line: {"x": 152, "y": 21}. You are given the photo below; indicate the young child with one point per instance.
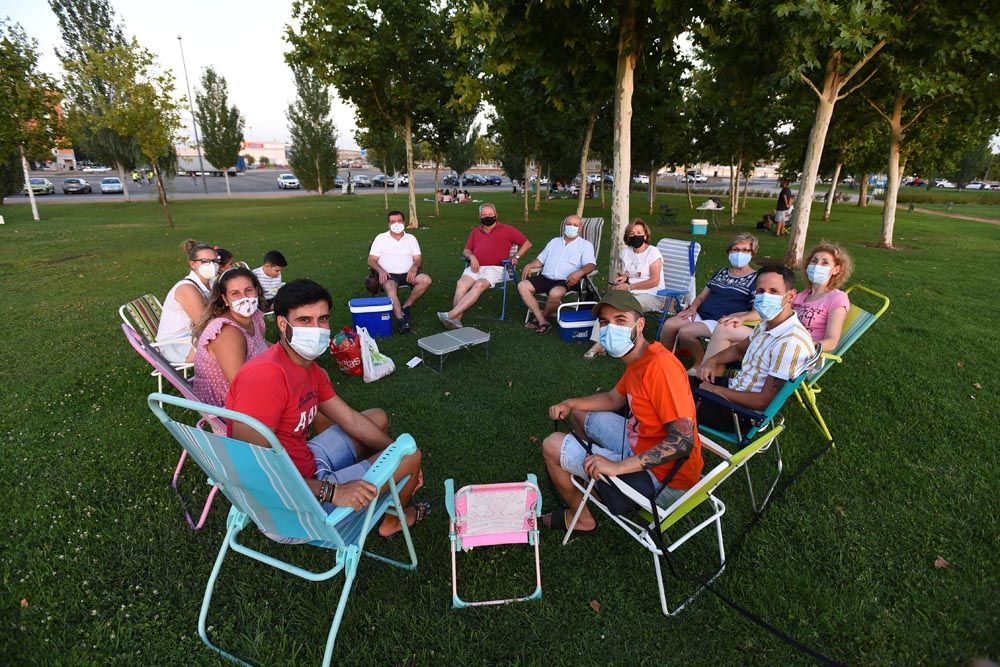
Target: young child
{"x": 269, "y": 275}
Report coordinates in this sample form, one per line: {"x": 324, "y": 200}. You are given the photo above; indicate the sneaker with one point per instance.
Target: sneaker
{"x": 406, "y": 314}
{"x": 444, "y": 319}
{"x": 403, "y": 326}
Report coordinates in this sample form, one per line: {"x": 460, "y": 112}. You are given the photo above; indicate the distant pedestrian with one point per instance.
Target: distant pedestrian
{"x": 513, "y": 184}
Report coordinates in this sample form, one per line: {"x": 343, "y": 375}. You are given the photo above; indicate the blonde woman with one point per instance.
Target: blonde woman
{"x": 822, "y": 307}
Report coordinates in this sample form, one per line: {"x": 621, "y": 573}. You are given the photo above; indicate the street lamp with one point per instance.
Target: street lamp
{"x": 194, "y": 122}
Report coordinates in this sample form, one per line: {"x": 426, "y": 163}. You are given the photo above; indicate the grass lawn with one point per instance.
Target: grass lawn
{"x": 991, "y": 211}
{"x": 99, "y": 566}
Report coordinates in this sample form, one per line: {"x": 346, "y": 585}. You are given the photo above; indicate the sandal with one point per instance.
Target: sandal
{"x": 543, "y": 329}
{"x": 531, "y": 324}
{"x": 422, "y": 510}
{"x": 595, "y": 351}
{"x": 557, "y": 521}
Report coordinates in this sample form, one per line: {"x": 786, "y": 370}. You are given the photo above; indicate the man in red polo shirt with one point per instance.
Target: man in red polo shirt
{"x": 655, "y": 450}
{"x": 488, "y": 246}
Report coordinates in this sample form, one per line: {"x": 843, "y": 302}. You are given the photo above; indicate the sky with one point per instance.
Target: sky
{"x": 243, "y": 41}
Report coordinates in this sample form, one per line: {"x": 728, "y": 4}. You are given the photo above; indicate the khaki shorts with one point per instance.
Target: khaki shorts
{"x": 491, "y": 274}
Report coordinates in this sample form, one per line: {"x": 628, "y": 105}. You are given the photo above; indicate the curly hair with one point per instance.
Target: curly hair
{"x": 840, "y": 258}
{"x": 216, "y": 305}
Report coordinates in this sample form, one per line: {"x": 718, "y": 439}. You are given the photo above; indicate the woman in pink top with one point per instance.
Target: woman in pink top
{"x": 822, "y": 308}
{"x": 229, "y": 334}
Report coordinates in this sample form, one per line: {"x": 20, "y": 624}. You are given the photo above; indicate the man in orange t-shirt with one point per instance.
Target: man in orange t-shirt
{"x": 655, "y": 450}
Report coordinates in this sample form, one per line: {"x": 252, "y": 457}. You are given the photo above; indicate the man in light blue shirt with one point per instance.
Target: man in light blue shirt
{"x": 564, "y": 262}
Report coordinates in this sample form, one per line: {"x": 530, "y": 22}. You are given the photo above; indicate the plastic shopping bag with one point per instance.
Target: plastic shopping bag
{"x": 346, "y": 350}
{"x": 376, "y": 365}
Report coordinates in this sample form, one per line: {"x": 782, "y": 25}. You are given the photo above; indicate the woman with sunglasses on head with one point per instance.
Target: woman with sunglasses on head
{"x": 229, "y": 333}
{"x": 185, "y": 302}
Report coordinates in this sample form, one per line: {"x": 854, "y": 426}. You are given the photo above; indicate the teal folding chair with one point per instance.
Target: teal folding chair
{"x": 759, "y": 421}
{"x": 264, "y": 486}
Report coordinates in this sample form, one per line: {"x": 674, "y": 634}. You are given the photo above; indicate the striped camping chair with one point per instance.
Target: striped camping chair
{"x": 142, "y": 315}
{"x": 680, "y": 259}
{"x": 264, "y": 487}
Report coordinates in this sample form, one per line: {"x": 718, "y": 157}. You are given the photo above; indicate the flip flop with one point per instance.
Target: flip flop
{"x": 421, "y": 511}
{"x": 543, "y": 329}
{"x": 557, "y": 521}
{"x": 531, "y": 324}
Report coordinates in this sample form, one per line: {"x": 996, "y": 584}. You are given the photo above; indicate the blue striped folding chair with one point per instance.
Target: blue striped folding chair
{"x": 680, "y": 259}
{"x": 264, "y": 487}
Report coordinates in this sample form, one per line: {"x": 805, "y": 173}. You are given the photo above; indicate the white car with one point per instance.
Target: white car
{"x": 942, "y": 183}
{"x": 641, "y": 179}
{"x": 288, "y": 182}
{"x": 112, "y": 185}
{"x": 361, "y": 181}
{"x": 695, "y": 177}
{"x": 403, "y": 179}
{"x": 96, "y": 169}
{"x": 977, "y": 185}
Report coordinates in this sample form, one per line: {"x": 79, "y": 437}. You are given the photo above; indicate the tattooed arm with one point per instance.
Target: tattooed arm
{"x": 676, "y": 445}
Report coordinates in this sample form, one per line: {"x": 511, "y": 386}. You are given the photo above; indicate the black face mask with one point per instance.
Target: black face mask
{"x": 636, "y": 241}
{"x": 488, "y": 221}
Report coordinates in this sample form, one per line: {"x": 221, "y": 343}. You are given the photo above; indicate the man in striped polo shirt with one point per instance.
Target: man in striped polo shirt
{"x": 777, "y": 351}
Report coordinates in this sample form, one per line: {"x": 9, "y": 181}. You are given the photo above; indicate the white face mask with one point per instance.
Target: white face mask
{"x": 397, "y": 228}
{"x": 208, "y": 271}
{"x": 246, "y": 306}
{"x": 309, "y": 342}
{"x": 571, "y": 231}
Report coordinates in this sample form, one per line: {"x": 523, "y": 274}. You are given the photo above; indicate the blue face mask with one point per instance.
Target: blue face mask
{"x": 768, "y": 305}
{"x": 739, "y": 259}
{"x": 818, "y": 274}
{"x": 617, "y": 340}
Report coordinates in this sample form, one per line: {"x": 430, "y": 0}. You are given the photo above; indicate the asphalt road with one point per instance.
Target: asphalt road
{"x": 263, "y": 183}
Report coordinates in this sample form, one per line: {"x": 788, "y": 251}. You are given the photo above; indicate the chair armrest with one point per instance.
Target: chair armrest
{"x": 171, "y": 341}
{"x": 381, "y": 471}
{"x": 729, "y": 405}
{"x": 449, "y": 497}
{"x": 831, "y": 356}
{"x": 534, "y": 482}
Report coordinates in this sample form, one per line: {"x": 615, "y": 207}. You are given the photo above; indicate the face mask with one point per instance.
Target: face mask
{"x": 636, "y": 241}
{"x": 768, "y": 305}
{"x": 739, "y": 259}
{"x": 246, "y": 306}
{"x": 617, "y": 340}
{"x": 309, "y": 342}
{"x": 571, "y": 232}
{"x": 397, "y": 228}
{"x": 488, "y": 221}
{"x": 818, "y": 274}
{"x": 208, "y": 271}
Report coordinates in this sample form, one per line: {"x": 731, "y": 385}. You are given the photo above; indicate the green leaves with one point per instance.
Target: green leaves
{"x": 221, "y": 124}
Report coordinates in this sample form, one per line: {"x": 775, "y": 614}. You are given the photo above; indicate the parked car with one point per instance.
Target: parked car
{"x": 977, "y": 185}
{"x": 943, "y": 183}
{"x": 76, "y": 186}
{"x": 112, "y": 185}
{"x": 382, "y": 180}
{"x": 288, "y": 182}
{"x": 695, "y": 177}
{"x": 338, "y": 182}
{"x": 96, "y": 169}
{"x": 40, "y": 186}
{"x": 403, "y": 179}
{"x": 494, "y": 179}
{"x": 450, "y": 179}
{"x": 361, "y": 181}
{"x": 640, "y": 179}
{"x": 473, "y": 179}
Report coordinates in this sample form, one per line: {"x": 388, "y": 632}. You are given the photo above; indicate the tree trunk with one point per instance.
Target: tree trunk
{"x": 538, "y": 187}
{"x": 408, "y": 140}
{"x": 833, "y": 191}
{"x": 687, "y": 186}
{"x": 163, "y": 194}
{"x": 27, "y": 184}
{"x": 319, "y": 177}
{"x": 736, "y": 192}
{"x": 746, "y": 187}
{"x": 863, "y": 189}
{"x": 624, "y": 84}
{"x": 814, "y": 152}
{"x": 892, "y": 186}
{"x": 524, "y": 190}
{"x": 225, "y": 174}
{"x": 121, "y": 174}
{"x": 385, "y": 189}
{"x": 395, "y": 183}
{"x": 437, "y": 203}
{"x": 651, "y": 188}
{"x": 603, "y": 206}
{"x": 582, "y": 197}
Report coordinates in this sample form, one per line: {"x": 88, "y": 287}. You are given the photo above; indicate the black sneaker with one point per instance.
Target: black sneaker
{"x": 403, "y": 325}
{"x": 406, "y": 314}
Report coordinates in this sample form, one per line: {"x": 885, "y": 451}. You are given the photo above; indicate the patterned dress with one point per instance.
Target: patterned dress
{"x": 210, "y": 384}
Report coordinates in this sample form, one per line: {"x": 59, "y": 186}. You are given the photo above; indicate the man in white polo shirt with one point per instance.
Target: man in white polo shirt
{"x": 395, "y": 258}
{"x": 564, "y": 262}
{"x": 776, "y": 352}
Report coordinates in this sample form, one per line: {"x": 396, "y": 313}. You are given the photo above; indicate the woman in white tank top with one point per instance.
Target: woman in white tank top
{"x": 185, "y": 303}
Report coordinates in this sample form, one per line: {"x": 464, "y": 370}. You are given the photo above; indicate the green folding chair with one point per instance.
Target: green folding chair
{"x": 652, "y": 533}
{"x": 857, "y": 323}
{"x": 264, "y": 487}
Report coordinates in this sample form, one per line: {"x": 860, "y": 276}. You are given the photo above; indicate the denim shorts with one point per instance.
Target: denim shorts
{"x": 337, "y": 457}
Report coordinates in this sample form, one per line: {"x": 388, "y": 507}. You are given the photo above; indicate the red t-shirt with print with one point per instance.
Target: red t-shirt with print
{"x": 284, "y": 397}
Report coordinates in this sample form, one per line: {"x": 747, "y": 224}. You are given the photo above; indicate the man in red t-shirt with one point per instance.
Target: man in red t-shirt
{"x": 655, "y": 449}
{"x": 286, "y": 390}
{"x": 488, "y": 246}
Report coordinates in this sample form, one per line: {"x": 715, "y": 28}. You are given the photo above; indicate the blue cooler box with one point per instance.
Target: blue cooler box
{"x": 375, "y": 315}
{"x": 575, "y": 326}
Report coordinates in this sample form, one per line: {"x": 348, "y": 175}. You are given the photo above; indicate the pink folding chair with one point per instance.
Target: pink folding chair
{"x": 485, "y": 515}
{"x": 183, "y": 385}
